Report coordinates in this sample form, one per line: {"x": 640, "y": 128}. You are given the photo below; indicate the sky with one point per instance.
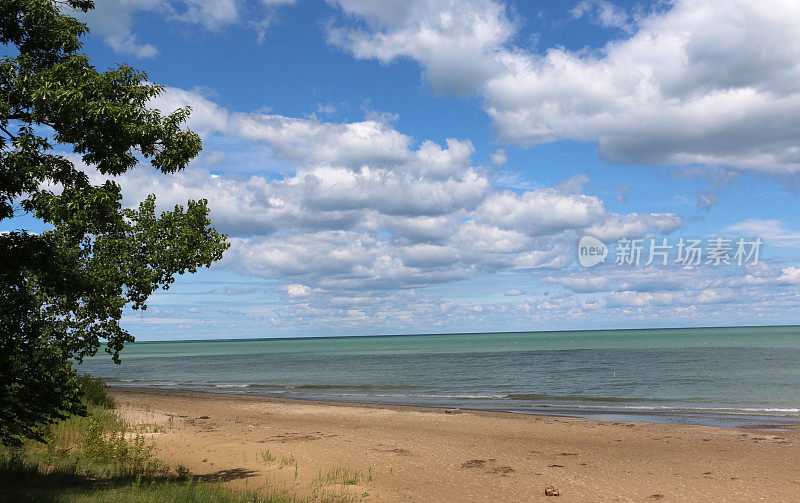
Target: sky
{"x": 387, "y": 167}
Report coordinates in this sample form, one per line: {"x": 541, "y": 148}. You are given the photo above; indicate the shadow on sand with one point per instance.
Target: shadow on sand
{"x": 21, "y": 482}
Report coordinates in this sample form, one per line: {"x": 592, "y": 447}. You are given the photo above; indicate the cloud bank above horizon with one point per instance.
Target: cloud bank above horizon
{"x": 357, "y": 216}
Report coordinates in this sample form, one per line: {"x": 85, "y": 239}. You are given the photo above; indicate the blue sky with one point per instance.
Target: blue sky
{"x": 429, "y": 166}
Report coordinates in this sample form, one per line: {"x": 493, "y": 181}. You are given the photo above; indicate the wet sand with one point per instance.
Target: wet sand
{"x": 439, "y": 455}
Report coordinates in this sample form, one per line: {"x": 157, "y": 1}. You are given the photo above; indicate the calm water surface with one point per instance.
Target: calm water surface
{"x": 728, "y": 376}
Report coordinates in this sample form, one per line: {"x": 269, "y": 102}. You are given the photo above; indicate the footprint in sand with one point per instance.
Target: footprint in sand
{"x": 502, "y": 470}
{"x": 397, "y": 450}
{"x": 473, "y": 463}
{"x": 298, "y": 437}
{"x": 480, "y": 463}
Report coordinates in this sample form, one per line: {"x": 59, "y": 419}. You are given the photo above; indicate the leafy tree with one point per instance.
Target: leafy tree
{"x": 63, "y": 290}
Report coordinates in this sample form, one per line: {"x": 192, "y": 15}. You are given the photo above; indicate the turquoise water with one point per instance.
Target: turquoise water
{"x": 730, "y": 376}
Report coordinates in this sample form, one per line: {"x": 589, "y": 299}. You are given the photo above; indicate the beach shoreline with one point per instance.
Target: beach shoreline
{"x": 775, "y": 423}
{"x": 414, "y": 453}
{"x": 717, "y": 377}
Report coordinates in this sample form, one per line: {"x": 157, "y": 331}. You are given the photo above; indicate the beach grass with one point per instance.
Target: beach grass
{"x": 267, "y": 457}
{"x": 288, "y": 461}
{"x": 100, "y": 457}
{"x": 343, "y": 476}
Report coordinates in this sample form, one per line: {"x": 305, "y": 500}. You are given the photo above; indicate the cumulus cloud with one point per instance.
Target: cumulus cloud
{"x": 368, "y": 208}
{"x": 632, "y": 225}
{"x": 114, "y": 20}
{"x": 648, "y": 279}
{"x": 582, "y": 284}
{"x": 212, "y": 14}
{"x": 790, "y": 276}
{"x": 356, "y": 219}
{"x": 371, "y": 142}
{"x": 295, "y": 290}
{"x": 679, "y": 293}
{"x": 690, "y": 86}
{"x": 702, "y": 83}
{"x": 319, "y": 198}
{"x": 455, "y": 41}
{"x": 540, "y": 212}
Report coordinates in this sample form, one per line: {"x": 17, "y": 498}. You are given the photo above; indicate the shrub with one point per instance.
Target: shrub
{"x": 93, "y": 391}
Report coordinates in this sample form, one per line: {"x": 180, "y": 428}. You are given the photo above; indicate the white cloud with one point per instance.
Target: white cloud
{"x": 371, "y": 142}
{"x": 368, "y": 208}
{"x": 212, "y": 14}
{"x": 644, "y": 299}
{"x": 295, "y": 290}
{"x": 603, "y": 13}
{"x": 206, "y": 118}
{"x": 349, "y": 144}
{"x": 790, "y": 276}
{"x": 583, "y": 284}
{"x": 723, "y": 295}
{"x": 691, "y": 86}
{"x": 705, "y": 82}
{"x": 540, "y": 212}
{"x": 774, "y": 232}
{"x": 633, "y": 224}
{"x": 573, "y": 184}
{"x": 114, "y": 20}
{"x": 499, "y": 157}
{"x": 611, "y": 277}
{"x": 455, "y": 41}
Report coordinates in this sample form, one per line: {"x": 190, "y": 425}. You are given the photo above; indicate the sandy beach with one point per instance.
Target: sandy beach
{"x": 396, "y": 453}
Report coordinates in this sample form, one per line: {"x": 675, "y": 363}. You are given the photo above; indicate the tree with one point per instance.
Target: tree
{"x": 63, "y": 290}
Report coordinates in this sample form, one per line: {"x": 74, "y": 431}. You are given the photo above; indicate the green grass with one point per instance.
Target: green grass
{"x": 267, "y": 457}
{"x": 101, "y": 458}
{"x": 27, "y": 481}
{"x": 288, "y": 461}
{"x": 341, "y": 475}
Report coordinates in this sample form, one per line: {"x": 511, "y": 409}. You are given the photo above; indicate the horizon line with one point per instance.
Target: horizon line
{"x": 430, "y": 334}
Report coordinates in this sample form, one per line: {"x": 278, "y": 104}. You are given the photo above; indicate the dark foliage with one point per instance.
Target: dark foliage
{"x": 62, "y": 291}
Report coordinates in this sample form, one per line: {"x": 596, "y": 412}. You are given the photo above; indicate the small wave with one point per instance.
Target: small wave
{"x": 678, "y": 409}
{"x": 331, "y": 386}
{"x": 420, "y": 396}
{"x": 771, "y": 410}
{"x": 580, "y": 398}
{"x": 230, "y": 385}
{"x": 364, "y": 387}
{"x": 464, "y": 396}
